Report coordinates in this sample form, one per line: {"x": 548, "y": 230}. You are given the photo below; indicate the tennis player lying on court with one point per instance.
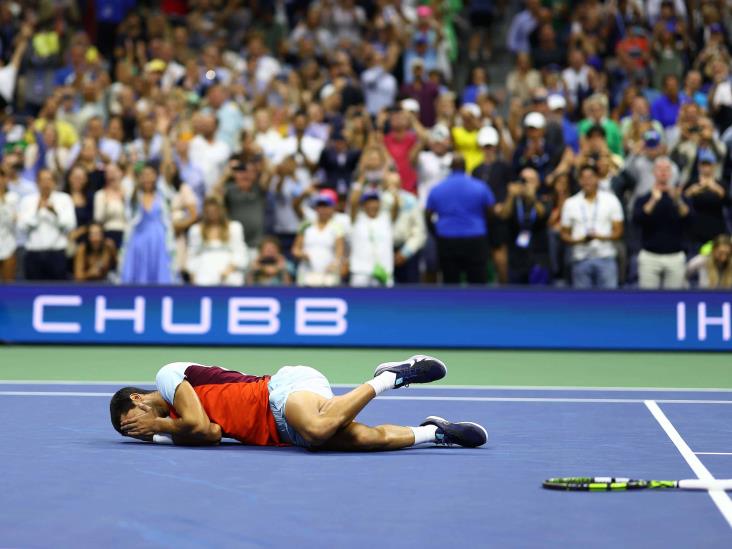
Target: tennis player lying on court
{"x": 198, "y": 405}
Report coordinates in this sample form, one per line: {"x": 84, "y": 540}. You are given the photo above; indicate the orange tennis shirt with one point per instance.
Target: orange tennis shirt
{"x": 237, "y": 402}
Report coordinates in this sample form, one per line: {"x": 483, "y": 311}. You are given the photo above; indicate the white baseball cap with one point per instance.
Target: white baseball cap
{"x": 471, "y": 108}
{"x": 488, "y": 135}
{"x": 410, "y": 105}
{"x": 327, "y": 91}
{"x": 535, "y": 120}
{"x": 439, "y": 132}
{"x": 556, "y": 101}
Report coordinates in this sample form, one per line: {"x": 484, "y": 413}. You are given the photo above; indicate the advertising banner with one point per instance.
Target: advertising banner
{"x": 396, "y": 317}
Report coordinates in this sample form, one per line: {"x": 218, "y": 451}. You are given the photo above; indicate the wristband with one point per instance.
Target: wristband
{"x": 162, "y": 439}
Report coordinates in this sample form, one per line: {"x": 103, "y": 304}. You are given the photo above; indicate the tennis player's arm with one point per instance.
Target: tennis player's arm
{"x": 193, "y": 425}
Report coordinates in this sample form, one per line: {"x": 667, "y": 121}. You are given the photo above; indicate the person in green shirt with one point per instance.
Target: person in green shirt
{"x": 596, "y": 109}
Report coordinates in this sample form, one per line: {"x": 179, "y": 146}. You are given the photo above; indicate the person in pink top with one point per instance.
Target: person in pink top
{"x": 404, "y": 141}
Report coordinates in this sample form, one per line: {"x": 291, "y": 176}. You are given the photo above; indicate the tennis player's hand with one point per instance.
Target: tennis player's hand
{"x": 141, "y": 425}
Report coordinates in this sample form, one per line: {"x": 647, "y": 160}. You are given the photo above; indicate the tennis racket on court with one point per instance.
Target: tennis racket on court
{"x": 613, "y": 484}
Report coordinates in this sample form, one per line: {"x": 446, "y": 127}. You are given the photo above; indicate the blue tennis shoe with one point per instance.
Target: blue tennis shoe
{"x": 464, "y": 433}
{"x": 416, "y": 369}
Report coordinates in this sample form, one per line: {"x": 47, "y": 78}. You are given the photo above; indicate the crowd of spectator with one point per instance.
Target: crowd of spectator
{"x": 329, "y": 142}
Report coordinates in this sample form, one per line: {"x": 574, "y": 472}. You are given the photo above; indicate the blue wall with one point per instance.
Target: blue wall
{"x": 409, "y": 317}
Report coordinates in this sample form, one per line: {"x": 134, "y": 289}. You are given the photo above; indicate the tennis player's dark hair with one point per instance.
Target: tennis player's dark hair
{"x": 121, "y": 403}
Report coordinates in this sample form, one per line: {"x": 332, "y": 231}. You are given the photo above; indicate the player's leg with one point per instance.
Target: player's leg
{"x": 316, "y": 416}
{"x": 357, "y": 437}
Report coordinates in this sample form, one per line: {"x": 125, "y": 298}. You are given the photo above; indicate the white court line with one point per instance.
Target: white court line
{"x": 426, "y": 398}
{"x": 426, "y": 387}
{"x": 719, "y": 497}
{"x": 713, "y": 453}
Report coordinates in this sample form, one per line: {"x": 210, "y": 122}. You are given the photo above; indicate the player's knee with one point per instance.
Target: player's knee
{"x": 318, "y": 432}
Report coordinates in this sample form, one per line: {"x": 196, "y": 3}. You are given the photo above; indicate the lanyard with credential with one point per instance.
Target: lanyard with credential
{"x": 588, "y": 227}
{"x": 520, "y": 214}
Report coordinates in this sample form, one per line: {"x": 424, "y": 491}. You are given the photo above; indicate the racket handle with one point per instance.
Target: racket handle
{"x": 699, "y": 484}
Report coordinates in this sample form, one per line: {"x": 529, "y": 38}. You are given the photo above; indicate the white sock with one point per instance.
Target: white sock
{"x": 382, "y": 382}
{"x": 424, "y": 434}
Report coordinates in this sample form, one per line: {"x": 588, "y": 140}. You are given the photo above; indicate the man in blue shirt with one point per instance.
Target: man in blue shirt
{"x": 457, "y": 210}
{"x": 665, "y": 109}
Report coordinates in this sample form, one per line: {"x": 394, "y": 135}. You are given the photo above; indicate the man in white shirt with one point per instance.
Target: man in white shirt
{"x": 379, "y": 86}
{"x": 592, "y": 220}
{"x": 409, "y": 229}
{"x": 46, "y": 217}
{"x": 372, "y": 240}
{"x": 207, "y": 152}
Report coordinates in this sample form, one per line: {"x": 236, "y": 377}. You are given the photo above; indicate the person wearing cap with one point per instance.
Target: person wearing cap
{"x": 465, "y": 136}
{"x": 707, "y": 199}
{"x": 372, "y": 238}
{"x": 661, "y": 215}
{"x": 496, "y": 173}
{"x": 338, "y": 162}
{"x": 557, "y": 108}
{"x": 422, "y": 90}
{"x": 320, "y": 244}
{"x": 535, "y": 150}
{"x": 596, "y": 112}
{"x": 685, "y": 154}
{"x": 525, "y": 216}
{"x": 592, "y": 220}
{"x": 457, "y": 212}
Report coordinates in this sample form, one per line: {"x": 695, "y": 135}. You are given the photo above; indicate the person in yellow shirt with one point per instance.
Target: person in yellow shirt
{"x": 67, "y": 135}
{"x": 465, "y": 137}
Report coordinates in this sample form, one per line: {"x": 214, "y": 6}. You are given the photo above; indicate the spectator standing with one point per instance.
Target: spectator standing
{"x": 109, "y": 204}
{"x": 460, "y": 205}
{"x": 661, "y": 215}
{"x": 422, "y": 90}
{"x": 146, "y": 256}
{"x": 338, "y": 162}
{"x": 77, "y": 189}
{"x": 665, "y": 109}
{"x": 433, "y": 164}
{"x": 245, "y": 199}
{"x": 465, "y": 137}
{"x": 319, "y": 246}
{"x": 96, "y": 256}
{"x": 379, "y": 86}
{"x": 496, "y": 173}
{"x": 372, "y": 240}
{"x": 216, "y": 250}
{"x": 409, "y": 231}
{"x": 404, "y": 144}
{"x": 8, "y": 220}
{"x": 713, "y": 270}
{"x": 707, "y": 199}
{"x": 285, "y": 188}
{"x": 47, "y": 218}
{"x": 591, "y": 221}
{"x": 270, "y": 268}
{"x": 526, "y": 218}
{"x": 208, "y": 152}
